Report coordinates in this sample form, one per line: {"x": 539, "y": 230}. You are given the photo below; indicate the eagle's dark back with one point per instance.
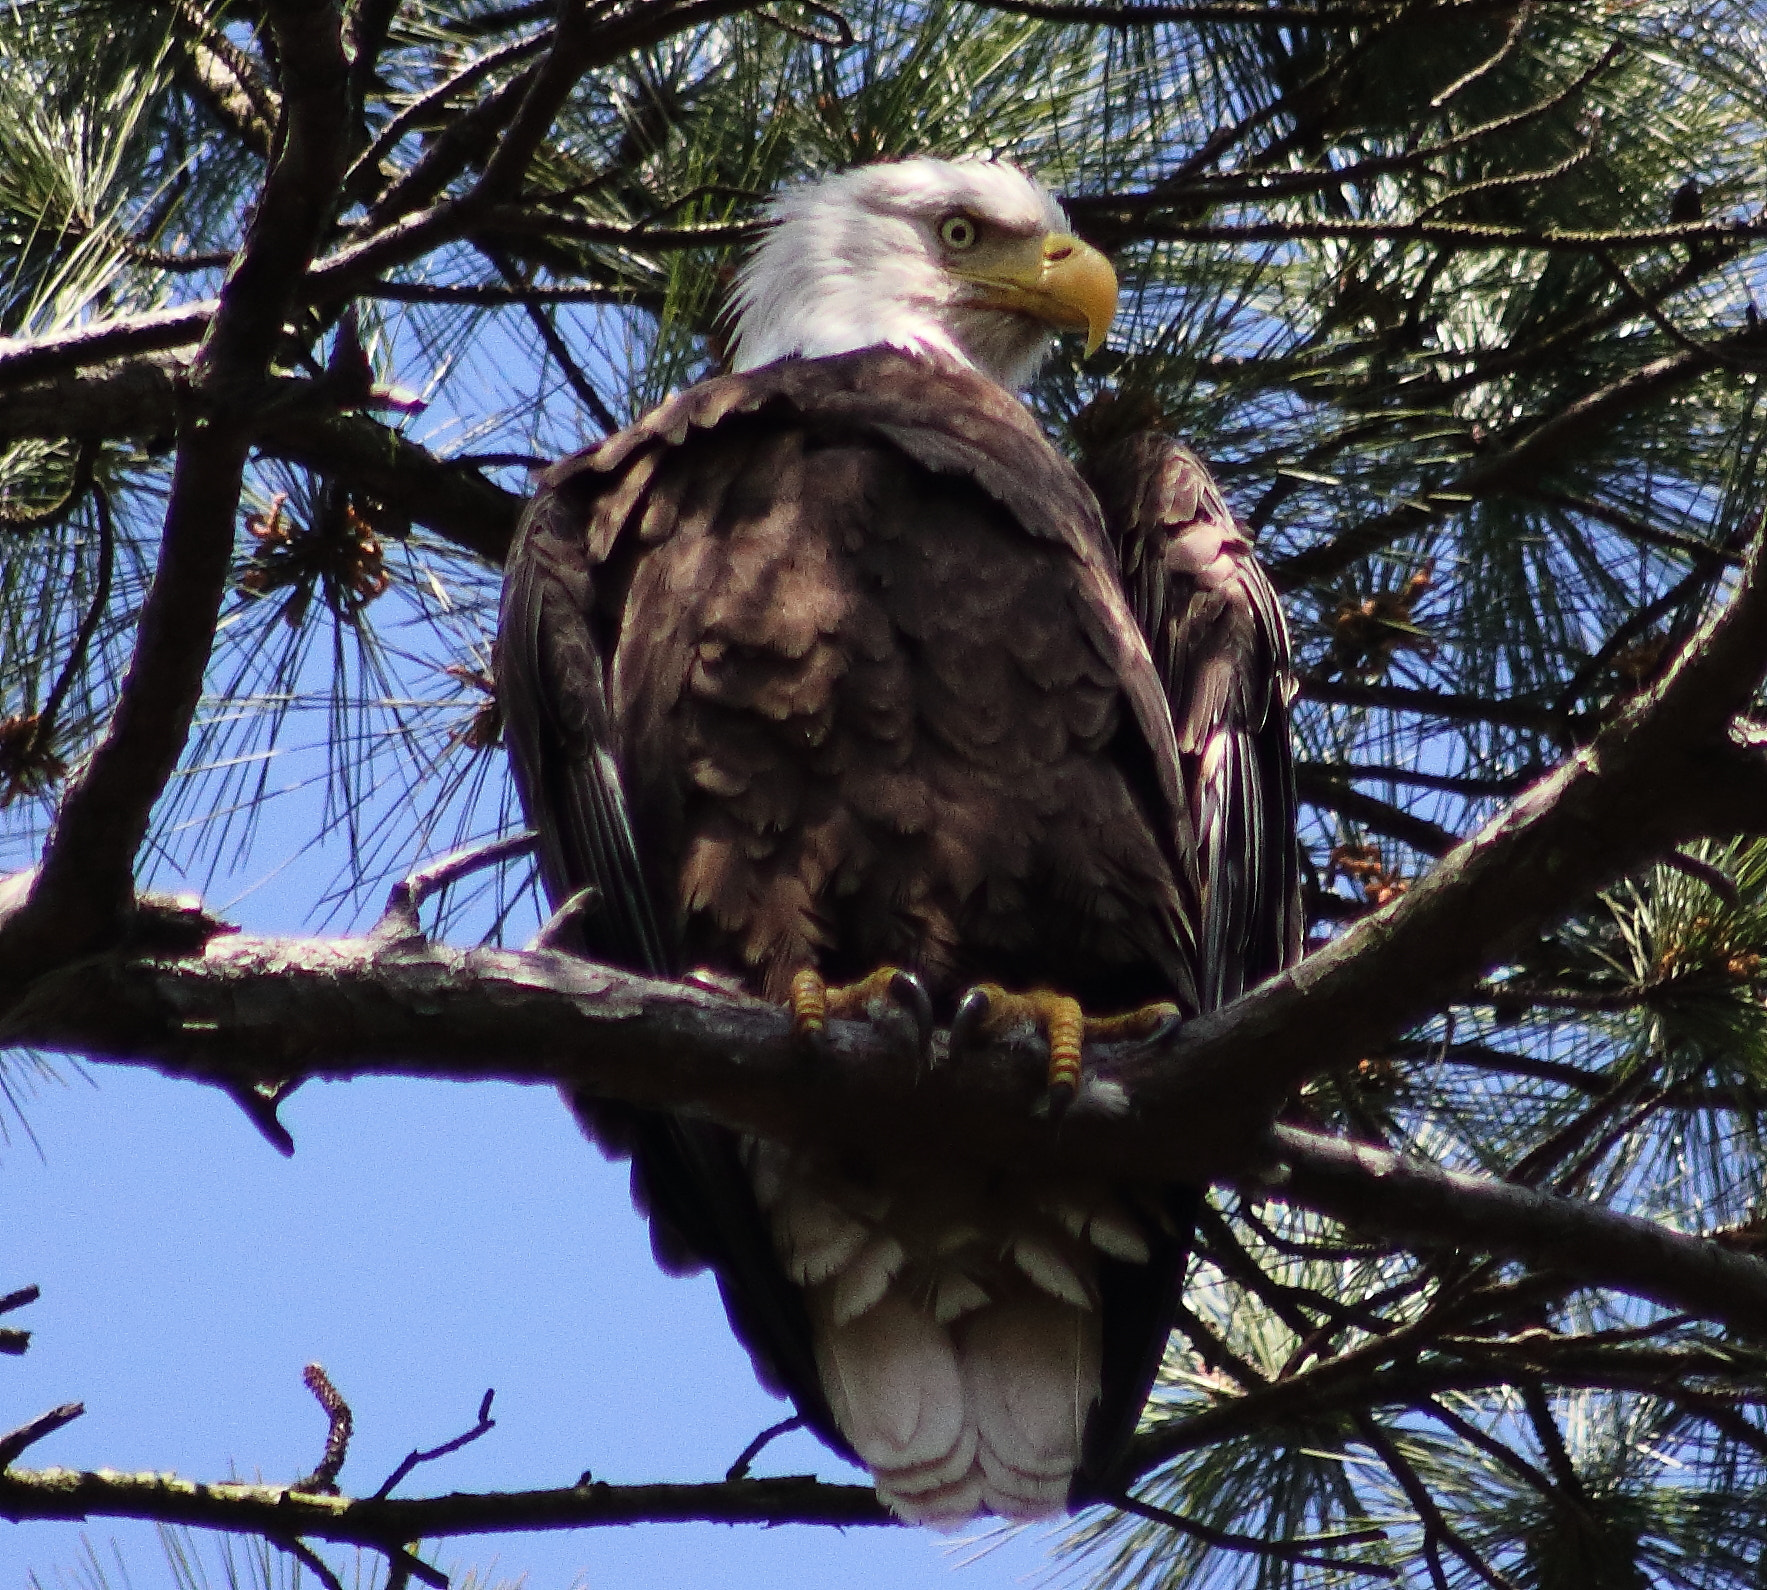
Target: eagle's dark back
{"x": 836, "y": 664}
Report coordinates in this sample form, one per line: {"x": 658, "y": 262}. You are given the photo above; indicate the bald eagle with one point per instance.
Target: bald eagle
{"x": 831, "y": 676}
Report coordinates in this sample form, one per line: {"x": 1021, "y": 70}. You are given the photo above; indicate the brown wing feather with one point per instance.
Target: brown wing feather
{"x": 1221, "y": 646}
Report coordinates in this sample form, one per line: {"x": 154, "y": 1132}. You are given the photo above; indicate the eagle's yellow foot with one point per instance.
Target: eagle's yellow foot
{"x": 987, "y": 1011}
{"x": 814, "y": 1003}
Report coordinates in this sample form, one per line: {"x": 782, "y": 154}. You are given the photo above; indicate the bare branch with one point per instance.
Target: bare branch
{"x": 416, "y": 1456}
{"x": 340, "y": 1424}
{"x": 739, "y": 1469}
{"x": 34, "y": 1430}
{"x": 406, "y": 897}
{"x": 19, "y": 1299}
{"x": 383, "y": 1523}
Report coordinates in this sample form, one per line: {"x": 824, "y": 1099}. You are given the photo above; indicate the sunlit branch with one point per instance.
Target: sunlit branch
{"x": 382, "y": 1522}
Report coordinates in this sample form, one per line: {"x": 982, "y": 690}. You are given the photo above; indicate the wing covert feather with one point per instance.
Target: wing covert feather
{"x": 1220, "y": 644}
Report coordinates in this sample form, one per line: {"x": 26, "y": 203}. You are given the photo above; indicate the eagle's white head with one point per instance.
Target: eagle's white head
{"x": 964, "y": 260}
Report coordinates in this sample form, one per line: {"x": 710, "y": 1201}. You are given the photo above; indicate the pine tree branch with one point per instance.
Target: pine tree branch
{"x": 1433, "y": 704}
{"x": 1374, "y": 1191}
{"x": 383, "y": 1523}
{"x": 83, "y": 886}
{"x": 288, "y": 418}
{"x": 1323, "y": 788}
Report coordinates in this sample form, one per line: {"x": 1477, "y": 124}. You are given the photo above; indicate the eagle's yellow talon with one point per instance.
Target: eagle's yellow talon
{"x": 809, "y": 1005}
{"x": 814, "y": 1003}
{"x": 988, "y": 1011}
{"x": 1143, "y": 1022}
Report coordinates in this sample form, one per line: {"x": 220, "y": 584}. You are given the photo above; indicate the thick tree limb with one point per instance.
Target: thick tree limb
{"x": 278, "y": 1512}
{"x": 23, "y": 360}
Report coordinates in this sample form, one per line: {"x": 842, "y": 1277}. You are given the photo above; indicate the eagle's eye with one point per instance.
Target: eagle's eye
{"x": 958, "y": 231}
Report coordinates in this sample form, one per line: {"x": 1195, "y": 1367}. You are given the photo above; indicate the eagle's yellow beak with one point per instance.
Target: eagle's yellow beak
{"x": 1061, "y": 281}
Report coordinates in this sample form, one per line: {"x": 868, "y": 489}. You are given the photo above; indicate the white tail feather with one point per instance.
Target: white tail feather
{"x": 1030, "y": 1373}
{"x": 1051, "y": 1271}
{"x": 893, "y": 1386}
{"x": 955, "y": 1326}
{"x": 956, "y": 1295}
{"x": 1113, "y": 1233}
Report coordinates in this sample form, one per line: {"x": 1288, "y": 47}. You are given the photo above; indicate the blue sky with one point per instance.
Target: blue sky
{"x": 425, "y": 1242}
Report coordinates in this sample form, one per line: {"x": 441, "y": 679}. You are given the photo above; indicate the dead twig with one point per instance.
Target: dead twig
{"x": 740, "y": 1468}
{"x": 417, "y": 1456}
{"x": 32, "y": 1431}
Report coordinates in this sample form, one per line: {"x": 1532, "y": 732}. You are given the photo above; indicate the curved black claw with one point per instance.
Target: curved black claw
{"x": 910, "y": 994}
{"x": 968, "y": 1024}
{"x": 1167, "y": 1027}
